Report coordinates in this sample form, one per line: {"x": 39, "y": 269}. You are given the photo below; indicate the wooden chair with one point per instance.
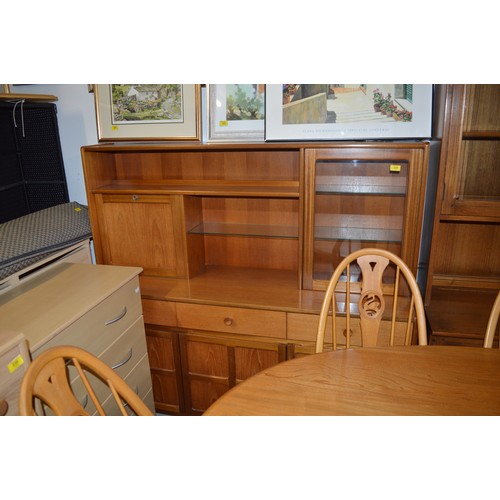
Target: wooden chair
{"x": 492, "y": 323}
{"x": 46, "y": 385}
{"x": 358, "y": 291}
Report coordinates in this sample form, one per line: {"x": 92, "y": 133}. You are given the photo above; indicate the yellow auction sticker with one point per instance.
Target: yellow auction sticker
{"x": 395, "y": 168}
{"x": 15, "y": 364}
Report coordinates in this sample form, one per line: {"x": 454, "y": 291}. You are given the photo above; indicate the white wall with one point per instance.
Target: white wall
{"x": 77, "y": 127}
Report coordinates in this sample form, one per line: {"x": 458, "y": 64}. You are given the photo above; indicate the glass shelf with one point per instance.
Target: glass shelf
{"x": 357, "y": 234}
{"x": 255, "y": 230}
{"x": 361, "y": 185}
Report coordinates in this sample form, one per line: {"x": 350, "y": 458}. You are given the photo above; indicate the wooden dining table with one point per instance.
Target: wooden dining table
{"x": 410, "y": 380}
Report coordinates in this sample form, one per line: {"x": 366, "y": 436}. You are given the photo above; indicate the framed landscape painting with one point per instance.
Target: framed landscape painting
{"x": 147, "y": 112}
{"x": 236, "y": 112}
{"x": 348, "y": 111}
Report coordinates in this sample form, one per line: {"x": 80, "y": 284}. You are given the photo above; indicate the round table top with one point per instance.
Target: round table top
{"x": 411, "y": 380}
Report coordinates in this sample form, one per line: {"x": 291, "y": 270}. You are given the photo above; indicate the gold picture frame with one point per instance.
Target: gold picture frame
{"x": 148, "y": 112}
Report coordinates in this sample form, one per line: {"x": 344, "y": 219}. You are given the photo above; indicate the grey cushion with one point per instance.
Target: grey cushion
{"x": 27, "y": 239}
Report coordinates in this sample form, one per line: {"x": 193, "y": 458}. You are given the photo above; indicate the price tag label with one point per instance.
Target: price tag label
{"x": 15, "y": 364}
{"x": 395, "y": 168}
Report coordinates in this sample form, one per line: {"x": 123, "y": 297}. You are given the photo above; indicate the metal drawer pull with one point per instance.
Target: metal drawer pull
{"x": 121, "y": 363}
{"x": 118, "y": 318}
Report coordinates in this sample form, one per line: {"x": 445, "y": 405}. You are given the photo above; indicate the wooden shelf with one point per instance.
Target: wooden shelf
{"x": 280, "y": 189}
{"x": 487, "y": 135}
{"x": 28, "y": 97}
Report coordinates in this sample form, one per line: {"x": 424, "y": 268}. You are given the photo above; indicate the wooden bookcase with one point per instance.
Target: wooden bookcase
{"x": 224, "y": 233}
{"x": 464, "y": 268}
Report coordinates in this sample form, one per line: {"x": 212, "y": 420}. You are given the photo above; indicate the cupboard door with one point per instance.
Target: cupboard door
{"x": 361, "y": 198}
{"x": 164, "y": 360}
{"x": 212, "y": 364}
{"x": 142, "y": 230}
{"x": 471, "y": 149}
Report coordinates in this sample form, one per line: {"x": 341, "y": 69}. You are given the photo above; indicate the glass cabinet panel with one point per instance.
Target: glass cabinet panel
{"x": 362, "y": 196}
{"x": 357, "y": 204}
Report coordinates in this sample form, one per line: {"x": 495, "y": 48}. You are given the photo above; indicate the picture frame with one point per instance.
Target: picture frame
{"x": 235, "y": 112}
{"x": 348, "y": 111}
{"x": 147, "y": 112}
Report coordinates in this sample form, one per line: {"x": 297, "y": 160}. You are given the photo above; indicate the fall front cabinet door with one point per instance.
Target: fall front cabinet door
{"x": 144, "y": 231}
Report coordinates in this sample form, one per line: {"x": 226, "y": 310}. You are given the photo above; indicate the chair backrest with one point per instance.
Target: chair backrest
{"x": 47, "y": 385}
{"x": 492, "y": 323}
{"x": 375, "y": 295}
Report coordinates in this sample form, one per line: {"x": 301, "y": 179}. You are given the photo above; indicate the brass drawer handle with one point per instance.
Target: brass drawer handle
{"x": 118, "y": 318}
{"x": 121, "y": 363}
{"x": 228, "y": 321}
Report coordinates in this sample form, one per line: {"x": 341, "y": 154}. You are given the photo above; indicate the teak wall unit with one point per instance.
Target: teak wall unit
{"x": 225, "y": 235}
{"x": 464, "y": 268}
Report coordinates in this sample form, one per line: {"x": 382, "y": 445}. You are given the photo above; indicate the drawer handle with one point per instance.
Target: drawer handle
{"x": 228, "y": 321}
{"x": 121, "y": 363}
{"x": 118, "y": 318}
{"x": 135, "y": 197}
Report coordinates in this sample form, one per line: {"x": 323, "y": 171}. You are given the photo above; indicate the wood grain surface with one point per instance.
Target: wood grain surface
{"x": 412, "y": 380}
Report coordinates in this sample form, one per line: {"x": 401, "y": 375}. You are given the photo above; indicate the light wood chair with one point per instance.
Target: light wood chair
{"x": 492, "y": 323}
{"x": 360, "y": 288}
{"x": 46, "y": 384}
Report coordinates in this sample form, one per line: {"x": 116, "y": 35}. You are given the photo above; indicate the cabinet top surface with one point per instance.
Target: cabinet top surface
{"x": 50, "y": 302}
{"x": 294, "y": 146}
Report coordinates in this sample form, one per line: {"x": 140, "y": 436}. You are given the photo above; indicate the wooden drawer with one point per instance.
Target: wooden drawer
{"x": 159, "y": 312}
{"x": 304, "y": 327}
{"x": 14, "y": 359}
{"x": 102, "y": 325}
{"x": 232, "y": 320}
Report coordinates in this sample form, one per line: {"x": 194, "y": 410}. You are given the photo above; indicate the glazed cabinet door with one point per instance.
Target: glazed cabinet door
{"x": 361, "y": 198}
{"x": 212, "y": 364}
{"x": 471, "y": 187}
{"x": 144, "y": 230}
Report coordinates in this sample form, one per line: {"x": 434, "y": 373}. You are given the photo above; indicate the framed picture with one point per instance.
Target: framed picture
{"x": 348, "y": 111}
{"x": 236, "y": 112}
{"x": 147, "y": 112}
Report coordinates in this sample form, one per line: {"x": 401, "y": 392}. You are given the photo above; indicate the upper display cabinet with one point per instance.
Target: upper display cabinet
{"x": 362, "y": 197}
{"x": 471, "y": 187}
